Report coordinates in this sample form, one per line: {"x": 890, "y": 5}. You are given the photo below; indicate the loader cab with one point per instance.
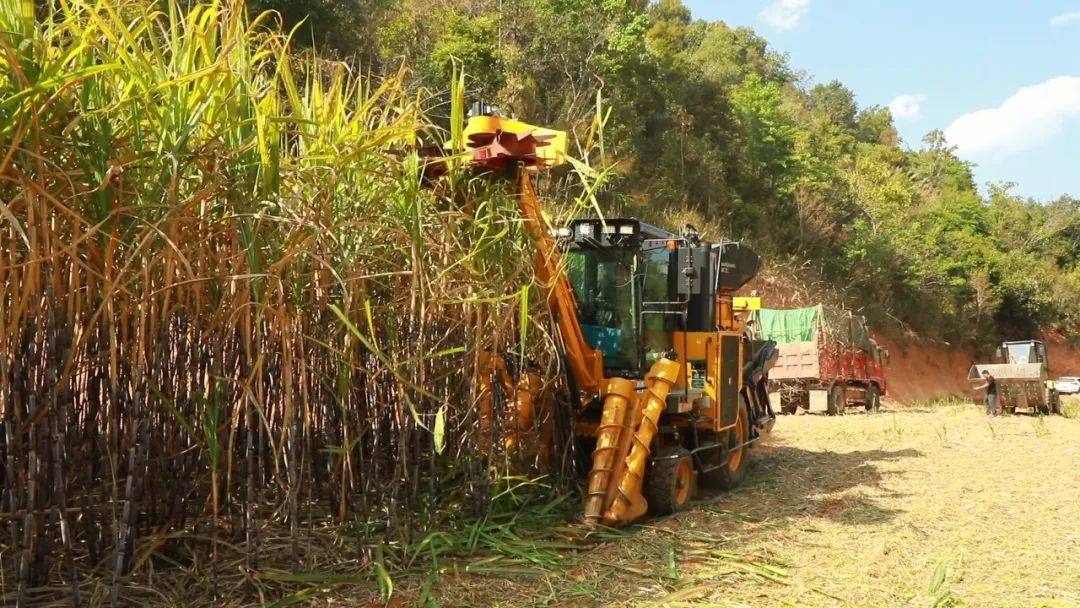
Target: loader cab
{"x": 1021, "y": 352}
{"x": 639, "y": 289}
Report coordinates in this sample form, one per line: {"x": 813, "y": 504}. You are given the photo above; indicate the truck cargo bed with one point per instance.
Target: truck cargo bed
{"x": 797, "y": 361}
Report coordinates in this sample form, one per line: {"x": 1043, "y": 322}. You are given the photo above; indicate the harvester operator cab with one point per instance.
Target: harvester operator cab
{"x": 643, "y": 292}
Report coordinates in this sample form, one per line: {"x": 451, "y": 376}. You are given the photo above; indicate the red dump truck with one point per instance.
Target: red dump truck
{"x": 827, "y": 361}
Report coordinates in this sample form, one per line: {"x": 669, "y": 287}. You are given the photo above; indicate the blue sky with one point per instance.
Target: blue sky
{"x": 1001, "y": 78}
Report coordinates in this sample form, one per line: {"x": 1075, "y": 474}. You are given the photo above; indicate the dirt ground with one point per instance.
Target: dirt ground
{"x": 934, "y": 507}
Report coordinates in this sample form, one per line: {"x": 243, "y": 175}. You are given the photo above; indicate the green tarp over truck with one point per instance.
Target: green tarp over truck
{"x": 785, "y": 326}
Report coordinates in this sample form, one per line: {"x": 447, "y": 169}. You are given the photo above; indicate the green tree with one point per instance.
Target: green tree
{"x": 874, "y": 125}
{"x": 667, "y": 34}
{"x": 836, "y": 103}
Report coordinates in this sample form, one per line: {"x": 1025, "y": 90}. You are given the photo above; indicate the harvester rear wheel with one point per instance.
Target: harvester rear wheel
{"x": 671, "y": 480}
{"x": 732, "y": 469}
{"x": 837, "y": 400}
{"x": 873, "y": 398}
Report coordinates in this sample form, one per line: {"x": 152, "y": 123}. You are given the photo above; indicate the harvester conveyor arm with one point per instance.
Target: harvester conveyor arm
{"x": 585, "y": 363}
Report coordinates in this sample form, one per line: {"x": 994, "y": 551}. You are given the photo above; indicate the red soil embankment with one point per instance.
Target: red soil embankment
{"x": 1064, "y": 359}
{"x": 920, "y": 371}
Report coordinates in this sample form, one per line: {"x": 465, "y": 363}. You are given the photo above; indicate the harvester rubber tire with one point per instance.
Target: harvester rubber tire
{"x": 873, "y": 398}
{"x": 727, "y": 477}
{"x": 837, "y": 401}
{"x": 670, "y": 483}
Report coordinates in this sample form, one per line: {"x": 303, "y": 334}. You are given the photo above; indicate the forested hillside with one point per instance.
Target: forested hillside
{"x": 709, "y": 123}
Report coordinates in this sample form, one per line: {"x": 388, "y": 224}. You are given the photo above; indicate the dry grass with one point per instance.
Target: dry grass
{"x": 1070, "y": 406}
{"x": 937, "y": 507}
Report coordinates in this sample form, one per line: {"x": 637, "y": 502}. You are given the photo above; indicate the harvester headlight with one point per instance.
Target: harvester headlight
{"x": 626, "y": 229}
{"x": 609, "y": 228}
{"x": 585, "y": 230}
{"x": 562, "y": 232}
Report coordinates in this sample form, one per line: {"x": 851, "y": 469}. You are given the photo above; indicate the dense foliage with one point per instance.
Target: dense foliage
{"x": 708, "y": 121}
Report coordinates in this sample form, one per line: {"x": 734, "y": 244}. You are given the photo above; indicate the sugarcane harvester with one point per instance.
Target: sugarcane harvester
{"x": 667, "y": 387}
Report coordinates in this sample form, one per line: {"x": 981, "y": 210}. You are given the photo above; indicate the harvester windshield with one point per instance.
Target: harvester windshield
{"x": 624, "y": 302}
{"x": 605, "y": 285}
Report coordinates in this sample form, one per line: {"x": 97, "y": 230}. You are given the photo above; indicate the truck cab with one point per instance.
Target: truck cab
{"x": 873, "y": 364}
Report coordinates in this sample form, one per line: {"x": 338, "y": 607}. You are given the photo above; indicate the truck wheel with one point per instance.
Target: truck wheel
{"x": 873, "y": 399}
{"x": 731, "y": 470}
{"x": 837, "y": 400}
{"x": 671, "y": 481}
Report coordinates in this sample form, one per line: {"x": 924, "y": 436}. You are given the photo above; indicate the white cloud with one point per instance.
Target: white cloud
{"x": 1065, "y": 19}
{"x": 785, "y": 14}
{"x": 906, "y": 106}
{"x": 1030, "y": 117}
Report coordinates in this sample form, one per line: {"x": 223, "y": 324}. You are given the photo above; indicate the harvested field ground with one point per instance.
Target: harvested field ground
{"x": 937, "y": 506}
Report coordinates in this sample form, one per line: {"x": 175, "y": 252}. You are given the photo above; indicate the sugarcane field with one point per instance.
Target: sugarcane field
{"x": 471, "y": 303}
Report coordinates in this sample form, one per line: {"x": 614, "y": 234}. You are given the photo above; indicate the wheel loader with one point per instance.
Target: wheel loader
{"x": 666, "y": 387}
{"x": 1022, "y": 373}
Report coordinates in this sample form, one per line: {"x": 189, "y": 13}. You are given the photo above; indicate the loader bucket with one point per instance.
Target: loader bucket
{"x": 1020, "y": 385}
{"x": 1004, "y": 372}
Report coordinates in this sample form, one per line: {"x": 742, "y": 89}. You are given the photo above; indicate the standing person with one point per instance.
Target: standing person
{"x": 991, "y": 392}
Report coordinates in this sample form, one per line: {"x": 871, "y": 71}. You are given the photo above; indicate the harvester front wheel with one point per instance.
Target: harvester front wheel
{"x": 873, "y": 398}
{"x": 671, "y": 480}
{"x": 837, "y": 400}
{"x": 731, "y": 471}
